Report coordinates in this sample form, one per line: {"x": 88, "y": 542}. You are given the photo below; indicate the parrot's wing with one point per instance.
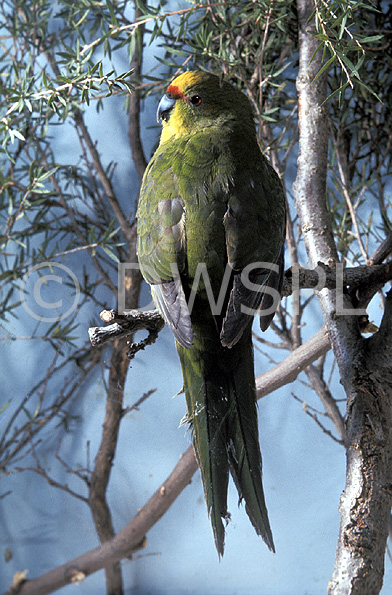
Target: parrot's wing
{"x": 170, "y": 299}
{"x": 268, "y": 304}
{"x": 257, "y": 293}
{"x": 161, "y": 246}
{"x": 255, "y": 232}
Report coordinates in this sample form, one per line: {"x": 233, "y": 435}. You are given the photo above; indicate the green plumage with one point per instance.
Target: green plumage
{"x": 211, "y": 215}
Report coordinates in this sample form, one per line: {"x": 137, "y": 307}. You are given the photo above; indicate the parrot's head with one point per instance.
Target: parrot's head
{"x": 196, "y": 100}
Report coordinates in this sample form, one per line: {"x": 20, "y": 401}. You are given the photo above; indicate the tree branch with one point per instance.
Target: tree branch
{"x": 125, "y": 325}
{"x": 103, "y": 462}
{"x": 366, "y": 501}
{"x": 132, "y": 536}
{"x": 139, "y": 158}
{"x": 368, "y": 278}
{"x": 130, "y": 539}
{"x": 288, "y": 370}
{"x": 110, "y": 194}
{"x": 119, "y": 362}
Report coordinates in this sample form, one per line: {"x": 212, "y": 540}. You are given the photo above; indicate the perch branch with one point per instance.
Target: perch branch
{"x": 323, "y": 276}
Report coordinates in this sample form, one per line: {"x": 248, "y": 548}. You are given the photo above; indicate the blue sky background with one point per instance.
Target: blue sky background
{"x": 304, "y": 470}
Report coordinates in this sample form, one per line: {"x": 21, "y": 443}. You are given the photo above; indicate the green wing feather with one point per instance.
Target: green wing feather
{"x": 161, "y": 245}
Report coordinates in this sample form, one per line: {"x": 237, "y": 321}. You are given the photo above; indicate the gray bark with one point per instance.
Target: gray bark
{"x": 365, "y": 365}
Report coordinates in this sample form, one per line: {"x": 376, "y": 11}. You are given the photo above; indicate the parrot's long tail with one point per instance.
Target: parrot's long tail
{"x": 221, "y": 400}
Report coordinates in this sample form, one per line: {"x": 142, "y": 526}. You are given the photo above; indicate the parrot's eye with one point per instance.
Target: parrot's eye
{"x": 195, "y": 100}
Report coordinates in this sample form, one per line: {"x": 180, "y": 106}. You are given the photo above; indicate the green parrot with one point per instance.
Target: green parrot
{"x": 211, "y": 230}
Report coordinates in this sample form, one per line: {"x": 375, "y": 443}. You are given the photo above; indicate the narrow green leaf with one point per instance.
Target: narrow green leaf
{"x": 371, "y": 38}
{"x": 112, "y": 13}
{"x": 47, "y": 174}
{"x": 362, "y": 84}
{"x": 110, "y": 253}
{"x": 18, "y": 134}
{"x": 324, "y": 68}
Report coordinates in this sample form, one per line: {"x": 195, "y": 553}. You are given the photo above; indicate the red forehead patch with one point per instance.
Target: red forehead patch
{"x": 175, "y": 92}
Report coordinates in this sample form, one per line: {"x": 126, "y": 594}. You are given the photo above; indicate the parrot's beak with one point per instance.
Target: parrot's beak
{"x": 166, "y": 104}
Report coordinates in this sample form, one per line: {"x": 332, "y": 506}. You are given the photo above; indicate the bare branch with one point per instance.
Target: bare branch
{"x": 125, "y": 325}
{"x": 138, "y": 155}
{"x": 327, "y": 399}
{"x": 330, "y": 277}
{"x": 383, "y": 251}
{"x": 110, "y": 194}
{"x": 104, "y": 460}
{"x": 130, "y": 539}
{"x": 365, "y": 277}
{"x": 313, "y": 414}
{"x": 288, "y": 370}
{"x": 132, "y": 536}
{"x": 366, "y": 501}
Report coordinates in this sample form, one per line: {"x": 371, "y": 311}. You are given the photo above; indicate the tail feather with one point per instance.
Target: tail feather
{"x": 245, "y": 462}
{"x": 221, "y": 400}
{"x": 207, "y": 412}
